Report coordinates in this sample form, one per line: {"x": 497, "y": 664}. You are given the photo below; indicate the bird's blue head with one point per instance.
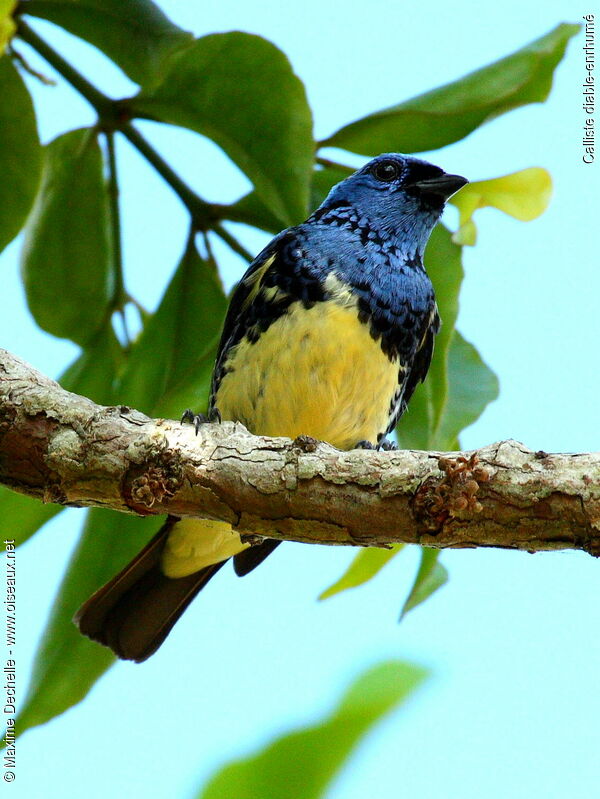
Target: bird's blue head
{"x": 400, "y": 197}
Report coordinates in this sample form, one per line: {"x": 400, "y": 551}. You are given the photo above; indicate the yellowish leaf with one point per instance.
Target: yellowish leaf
{"x": 7, "y": 23}
{"x": 466, "y": 234}
{"x": 524, "y": 195}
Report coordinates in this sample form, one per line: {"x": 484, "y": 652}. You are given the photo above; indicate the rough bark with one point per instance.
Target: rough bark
{"x": 63, "y": 448}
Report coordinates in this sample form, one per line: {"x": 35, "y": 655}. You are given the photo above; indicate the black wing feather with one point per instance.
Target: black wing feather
{"x": 422, "y": 361}
{"x": 289, "y": 273}
{"x": 236, "y": 319}
{"x": 417, "y": 372}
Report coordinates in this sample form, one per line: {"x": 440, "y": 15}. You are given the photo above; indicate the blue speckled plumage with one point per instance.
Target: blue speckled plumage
{"x": 328, "y": 334}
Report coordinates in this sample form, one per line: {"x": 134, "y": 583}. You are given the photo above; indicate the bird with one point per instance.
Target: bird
{"x": 327, "y": 334}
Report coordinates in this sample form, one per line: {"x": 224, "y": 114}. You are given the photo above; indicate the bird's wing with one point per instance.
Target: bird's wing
{"x": 243, "y": 311}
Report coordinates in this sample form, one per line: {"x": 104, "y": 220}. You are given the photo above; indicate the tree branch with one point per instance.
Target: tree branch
{"x": 60, "y": 447}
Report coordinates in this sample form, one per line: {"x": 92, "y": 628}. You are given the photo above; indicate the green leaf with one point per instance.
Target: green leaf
{"x": 431, "y": 576}
{"x": 523, "y": 195}
{"x": 92, "y": 375}
{"x": 472, "y": 386}
{"x": 365, "y": 565}
{"x": 176, "y": 350}
{"x": 67, "y": 664}
{"x": 449, "y": 113}
{"x": 414, "y": 430}
{"x": 241, "y": 92}
{"x": 459, "y": 384}
{"x": 303, "y": 763}
{"x": 443, "y": 262}
{"x": 66, "y": 253}
{"x": 20, "y": 152}
{"x": 417, "y": 428}
{"x": 135, "y": 34}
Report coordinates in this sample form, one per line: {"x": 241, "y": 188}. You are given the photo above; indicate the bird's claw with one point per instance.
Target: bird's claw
{"x": 364, "y": 444}
{"x": 383, "y": 444}
{"x": 198, "y": 419}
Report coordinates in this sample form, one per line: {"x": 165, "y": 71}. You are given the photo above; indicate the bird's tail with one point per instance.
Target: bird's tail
{"x": 134, "y": 612}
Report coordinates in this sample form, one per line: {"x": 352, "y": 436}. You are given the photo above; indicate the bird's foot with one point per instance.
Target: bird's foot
{"x": 198, "y": 419}
{"x": 383, "y": 444}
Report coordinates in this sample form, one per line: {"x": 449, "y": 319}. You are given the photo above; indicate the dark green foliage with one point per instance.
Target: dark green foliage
{"x": 66, "y": 252}
{"x": 135, "y": 34}
{"x": 240, "y": 91}
{"x": 20, "y": 152}
{"x": 176, "y": 350}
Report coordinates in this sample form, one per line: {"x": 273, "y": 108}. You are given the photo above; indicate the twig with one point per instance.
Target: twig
{"x": 119, "y": 291}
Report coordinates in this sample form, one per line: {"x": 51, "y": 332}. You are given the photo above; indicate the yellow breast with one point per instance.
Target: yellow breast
{"x": 314, "y": 371}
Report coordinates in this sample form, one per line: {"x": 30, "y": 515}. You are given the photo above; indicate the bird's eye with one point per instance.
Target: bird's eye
{"x": 386, "y": 171}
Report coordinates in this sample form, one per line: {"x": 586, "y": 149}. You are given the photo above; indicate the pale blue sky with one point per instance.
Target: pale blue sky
{"x": 512, "y": 709}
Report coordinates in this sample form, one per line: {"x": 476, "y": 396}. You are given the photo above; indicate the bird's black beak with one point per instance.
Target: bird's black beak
{"x": 442, "y": 186}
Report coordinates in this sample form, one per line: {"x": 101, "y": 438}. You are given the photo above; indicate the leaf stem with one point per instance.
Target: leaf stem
{"x": 103, "y": 105}
{"x": 119, "y": 291}
{"x": 25, "y": 65}
{"x": 199, "y": 209}
{"x": 144, "y": 314}
{"x": 232, "y": 242}
{"x": 327, "y": 162}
